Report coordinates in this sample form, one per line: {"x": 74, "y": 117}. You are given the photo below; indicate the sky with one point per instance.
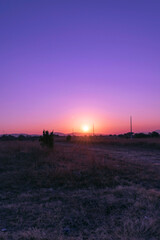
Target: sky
{"x": 69, "y": 63}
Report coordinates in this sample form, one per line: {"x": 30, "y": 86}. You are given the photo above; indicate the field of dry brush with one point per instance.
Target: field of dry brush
{"x": 102, "y": 189}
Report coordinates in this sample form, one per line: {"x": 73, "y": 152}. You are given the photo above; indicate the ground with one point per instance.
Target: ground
{"x": 82, "y": 189}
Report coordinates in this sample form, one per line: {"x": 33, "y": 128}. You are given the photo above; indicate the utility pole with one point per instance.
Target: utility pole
{"x": 131, "y": 126}
{"x": 72, "y": 131}
{"x": 93, "y": 129}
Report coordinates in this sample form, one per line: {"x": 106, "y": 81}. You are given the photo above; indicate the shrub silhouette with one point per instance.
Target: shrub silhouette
{"x": 47, "y": 139}
{"x": 140, "y": 135}
{"x": 154, "y": 134}
{"x": 68, "y": 138}
{"x": 7, "y": 138}
{"x": 21, "y": 137}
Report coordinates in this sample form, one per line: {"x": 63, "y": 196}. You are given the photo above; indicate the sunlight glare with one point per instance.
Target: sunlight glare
{"x": 85, "y": 128}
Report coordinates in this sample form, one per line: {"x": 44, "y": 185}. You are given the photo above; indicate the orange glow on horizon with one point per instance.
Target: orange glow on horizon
{"x": 81, "y": 120}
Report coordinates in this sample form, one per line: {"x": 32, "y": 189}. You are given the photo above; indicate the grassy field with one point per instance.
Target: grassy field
{"x": 106, "y": 188}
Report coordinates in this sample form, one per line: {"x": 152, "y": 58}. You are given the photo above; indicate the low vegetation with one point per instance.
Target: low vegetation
{"x": 81, "y": 189}
{"x": 47, "y": 140}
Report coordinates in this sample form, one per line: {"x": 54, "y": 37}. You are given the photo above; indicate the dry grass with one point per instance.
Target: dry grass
{"x": 153, "y": 143}
{"x": 78, "y": 192}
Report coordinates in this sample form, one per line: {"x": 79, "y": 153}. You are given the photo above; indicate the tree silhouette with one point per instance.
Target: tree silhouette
{"x": 47, "y": 139}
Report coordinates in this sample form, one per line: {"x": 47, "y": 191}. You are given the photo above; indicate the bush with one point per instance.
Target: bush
{"x": 140, "y": 135}
{"x": 47, "y": 139}
{"x": 21, "y": 137}
{"x": 7, "y": 138}
{"x": 68, "y": 138}
{"x": 154, "y": 134}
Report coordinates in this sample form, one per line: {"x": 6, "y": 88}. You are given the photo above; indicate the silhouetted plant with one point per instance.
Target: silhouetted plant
{"x": 128, "y": 135}
{"x": 68, "y": 138}
{"x": 140, "y": 135}
{"x": 47, "y": 139}
{"x": 154, "y": 134}
{"x": 21, "y": 137}
{"x": 7, "y": 138}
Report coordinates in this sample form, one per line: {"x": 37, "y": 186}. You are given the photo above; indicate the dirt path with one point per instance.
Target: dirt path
{"x": 121, "y": 153}
{"x": 131, "y": 154}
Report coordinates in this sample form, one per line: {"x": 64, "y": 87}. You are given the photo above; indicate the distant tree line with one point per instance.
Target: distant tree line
{"x": 21, "y": 137}
{"x": 47, "y": 139}
{"x": 140, "y": 135}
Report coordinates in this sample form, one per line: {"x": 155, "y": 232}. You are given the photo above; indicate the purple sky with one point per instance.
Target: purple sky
{"x": 65, "y": 63}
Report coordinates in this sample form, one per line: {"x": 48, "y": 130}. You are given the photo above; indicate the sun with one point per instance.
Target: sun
{"x": 85, "y": 128}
